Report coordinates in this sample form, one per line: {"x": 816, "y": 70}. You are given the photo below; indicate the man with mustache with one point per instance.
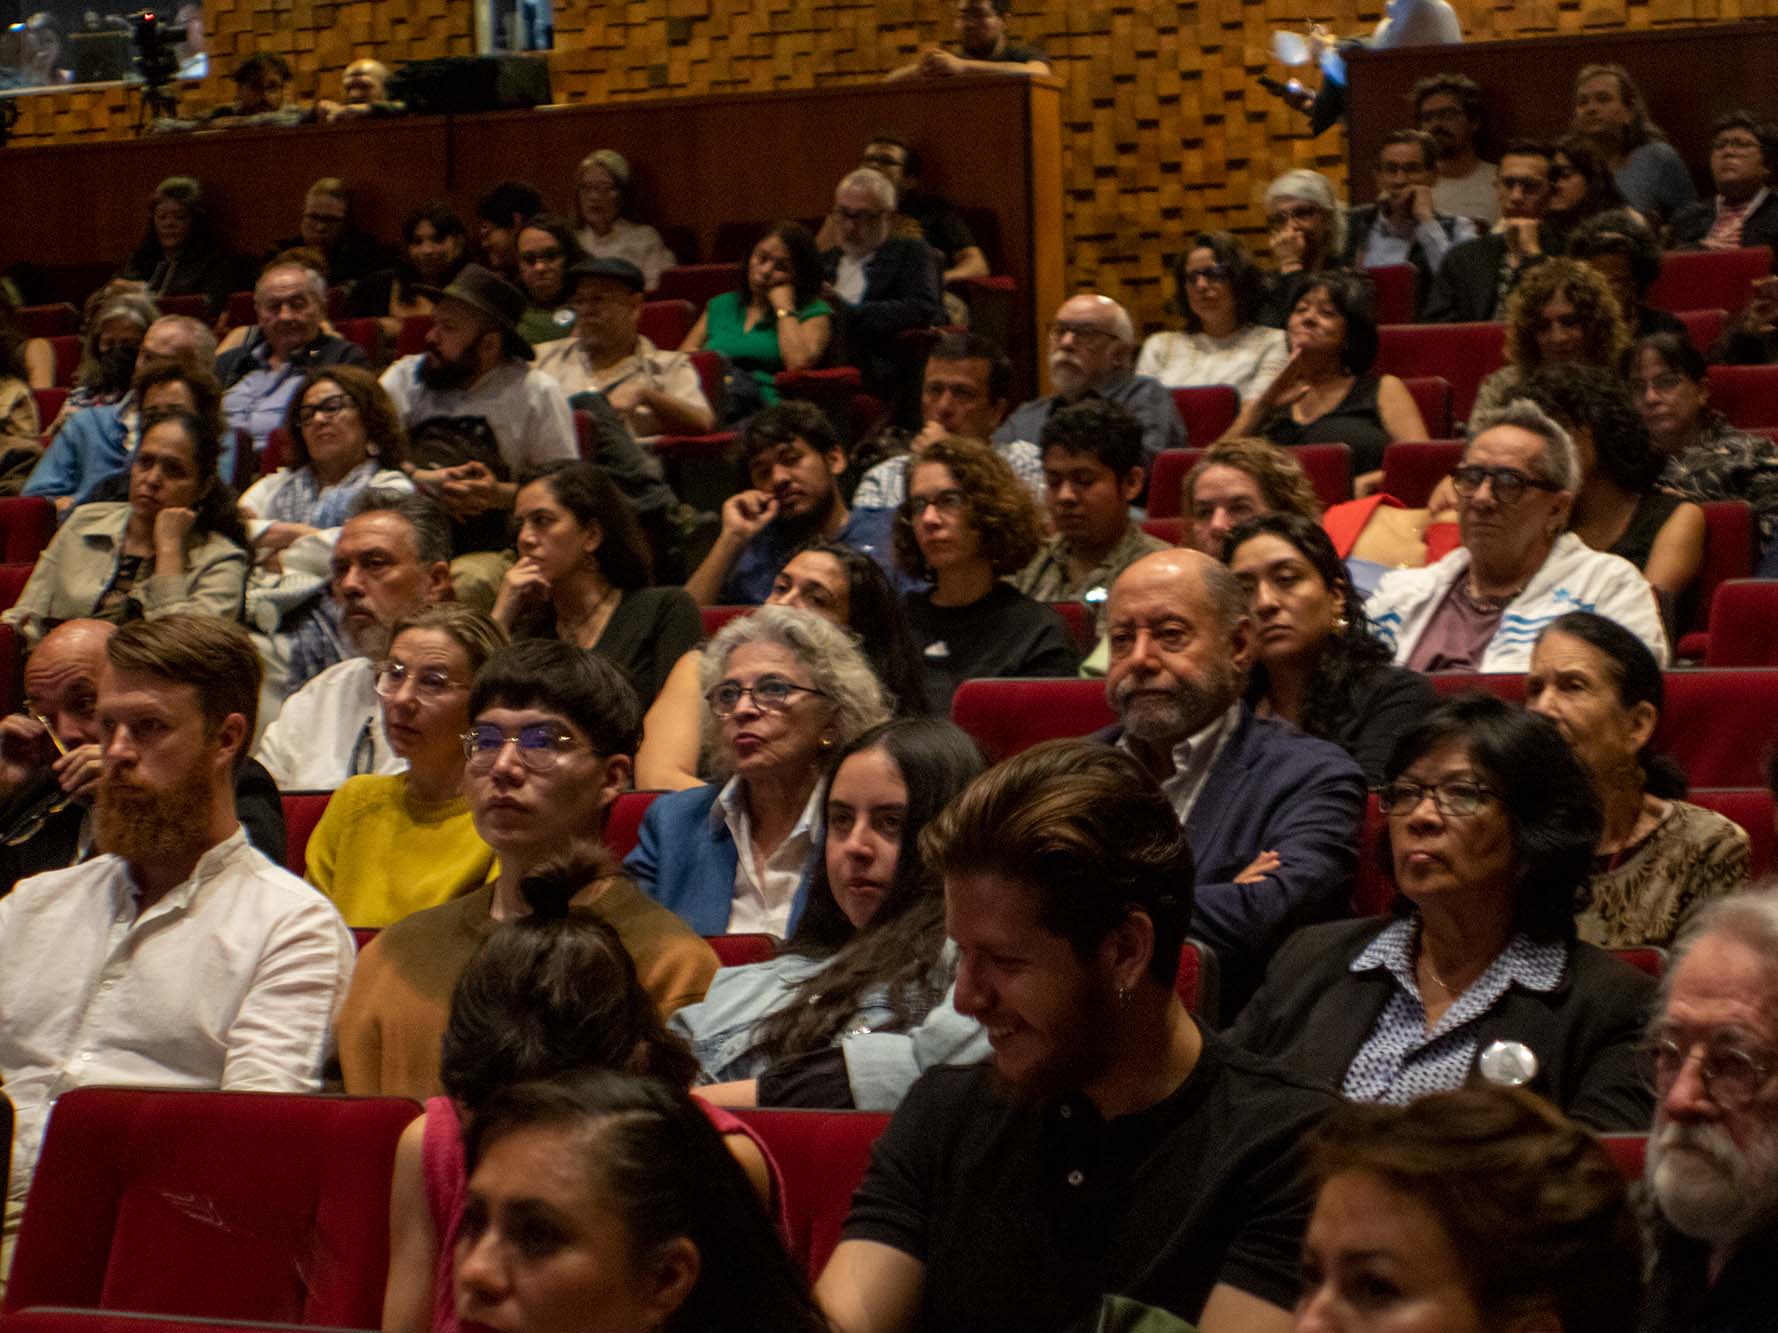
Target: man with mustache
{"x": 1273, "y": 815}
{"x": 1449, "y": 107}
{"x": 794, "y": 459}
{"x": 1711, "y": 1173}
{"x": 1091, "y": 348}
{"x": 179, "y": 956}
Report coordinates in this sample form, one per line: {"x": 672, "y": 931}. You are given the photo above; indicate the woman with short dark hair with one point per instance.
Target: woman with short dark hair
{"x": 546, "y": 249}
{"x": 181, "y": 254}
{"x": 1218, "y": 293}
{"x": 1490, "y": 824}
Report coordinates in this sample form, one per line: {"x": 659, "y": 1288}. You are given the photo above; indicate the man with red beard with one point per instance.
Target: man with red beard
{"x": 179, "y": 956}
{"x": 1712, "y": 1168}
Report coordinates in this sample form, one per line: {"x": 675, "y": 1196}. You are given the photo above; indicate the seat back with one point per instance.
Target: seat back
{"x": 1007, "y": 716}
{"x": 1751, "y": 808}
{"x": 302, "y": 811}
{"x": 697, "y": 283}
{"x": 67, "y": 353}
{"x": 1746, "y": 395}
{"x": 1644, "y": 958}
{"x": 228, "y": 1205}
{"x": 1373, "y": 888}
{"x": 1703, "y": 327}
{"x": 13, "y": 577}
{"x": 1167, "y": 477}
{"x": 1412, "y": 469}
{"x": 1627, "y": 1152}
{"x": 197, "y": 305}
{"x": 1700, "y": 279}
{"x": 1432, "y": 395}
{"x": 412, "y": 338}
{"x": 623, "y": 825}
{"x": 1079, "y": 620}
{"x": 1728, "y": 554}
{"x": 1169, "y": 530}
{"x": 739, "y": 950}
{"x": 715, "y": 617}
{"x": 1464, "y": 354}
{"x": 1198, "y": 983}
{"x": 1743, "y": 624}
{"x": 49, "y": 405}
{"x": 1397, "y": 299}
{"x": 105, "y": 1321}
{"x": 665, "y": 323}
{"x": 27, "y": 522}
{"x": 12, "y": 669}
{"x": 821, "y": 1157}
{"x": 241, "y": 309}
{"x": 708, "y": 364}
{"x": 1207, "y": 411}
{"x": 367, "y": 333}
{"x": 56, "y": 320}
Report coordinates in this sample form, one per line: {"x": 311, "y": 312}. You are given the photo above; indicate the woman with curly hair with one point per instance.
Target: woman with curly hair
{"x": 967, "y": 524}
{"x": 1237, "y": 480}
{"x": 1562, "y": 313}
{"x": 1316, "y": 663}
{"x": 1218, "y": 292}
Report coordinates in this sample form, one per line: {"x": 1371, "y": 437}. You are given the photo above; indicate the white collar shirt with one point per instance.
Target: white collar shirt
{"x": 1193, "y": 758}
{"x": 762, "y": 904}
{"x": 851, "y": 277}
{"x": 329, "y": 730}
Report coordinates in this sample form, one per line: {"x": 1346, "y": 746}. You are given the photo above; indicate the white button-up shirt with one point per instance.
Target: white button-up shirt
{"x": 762, "y": 905}
{"x": 329, "y": 730}
{"x": 1193, "y": 758}
{"x": 229, "y": 981}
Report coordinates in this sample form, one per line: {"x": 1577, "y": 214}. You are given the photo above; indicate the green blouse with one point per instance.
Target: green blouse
{"x": 753, "y": 350}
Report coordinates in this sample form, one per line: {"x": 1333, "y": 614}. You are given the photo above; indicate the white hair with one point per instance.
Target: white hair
{"x": 868, "y": 178}
{"x": 1314, "y": 188}
{"x": 316, "y": 283}
{"x": 1121, "y": 324}
{"x": 1749, "y": 917}
{"x": 1559, "y": 462}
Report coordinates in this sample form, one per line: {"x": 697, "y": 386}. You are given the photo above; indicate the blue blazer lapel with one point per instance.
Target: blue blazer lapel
{"x": 1221, "y": 788}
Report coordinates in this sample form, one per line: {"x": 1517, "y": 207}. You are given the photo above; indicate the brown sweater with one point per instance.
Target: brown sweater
{"x": 394, "y": 1016}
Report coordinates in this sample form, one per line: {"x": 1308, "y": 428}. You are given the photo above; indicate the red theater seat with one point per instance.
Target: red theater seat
{"x": 13, "y": 577}
{"x": 106, "y": 1321}
{"x": 1373, "y": 889}
{"x": 1700, "y": 279}
{"x": 368, "y": 334}
{"x": 715, "y": 617}
{"x": 1728, "y": 554}
{"x": 1464, "y": 354}
{"x": 12, "y": 667}
{"x": 1644, "y": 958}
{"x": 1627, "y": 1152}
{"x": 1703, "y": 327}
{"x": 1396, "y": 297}
{"x": 1411, "y": 470}
{"x": 1169, "y": 530}
{"x": 696, "y": 283}
{"x": 1009, "y": 715}
{"x": 67, "y": 353}
{"x": 1432, "y": 395}
{"x": 47, "y": 321}
{"x": 1079, "y": 620}
{"x": 821, "y": 1156}
{"x": 241, "y": 309}
{"x": 1743, "y": 624}
{"x": 219, "y": 1205}
{"x": 1746, "y": 395}
{"x": 623, "y": 824}
{"x": 412, "y": 338}
{"x": 1207, "y": 411}
{"x": 197, "y": 306}
{"x": 665, "y": 323}
{"x": 27, "y": 522}
{"x": 739, "y": 950}
{"x": 1198, "y": 983}
{"x": 49, "y": 405}
{"x": 302, "y": 811}
{"x": 1751, "y": 808}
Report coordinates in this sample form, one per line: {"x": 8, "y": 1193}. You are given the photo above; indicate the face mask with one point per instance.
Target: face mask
{"x": 117, "y": 366}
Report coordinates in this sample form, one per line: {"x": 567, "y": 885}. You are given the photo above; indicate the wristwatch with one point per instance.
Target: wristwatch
{"x": 783, "y": 313}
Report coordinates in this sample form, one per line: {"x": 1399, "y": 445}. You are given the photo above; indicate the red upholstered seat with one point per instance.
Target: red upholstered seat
{"x": 822, "y": 1156}
{"x": 1728, "y": 554}
{"x": 1627, "y": 1152}
{"x": 1329, "y": 469}
{"x": 624, "y": 821}
{"x": 715, "y": 617}
{"x": 106, "y": 1321}
{"x": 1700, "y": 279}
{"x": 1396, "y": 297}
{"x": 1751, "y": 808}
{"x": 666, "y": 322}
{"x": 27, "y": 522}
{"x": 1644, "y": 958}
{"x": 49, "y": 405}
{"x": 1168, "y": 476}
{"x": 703, "y": 470}
{"x": 302, "y": 811}
{"x": 696, "y": 283}
{"x": 1009, "y": 715}
{"x": 1743, "y": 624}
{"x": 1169, "y": 530}
{"x": 1703, "y": 327}
{"x": 1412, "y": 469}
{"x": 12, "y": 666}
{"x": 197, "y": 305}
{"x": 1464, "y": 354}
{"x": 1207, "y": 411}
{"x": 1198, "y": 984}
{"x": 1079, "y": 621}
{"x": 739, "y": 950}
{"x": 47, "y": 321}
{"x": 278, "y": 452}
{"x": 412, "y": 338}
{"x": 1746, "y": 395}
{"x": 67, "y": 353}
{"x": 708, "y": 364}
{"x": 1373, "y": 889}
{"x": 241, "y": 309}
{"x": 231, "y": 1205}
{"x": 1432, "y": 395}
{"x": 13, "y": 577}
{"x": 367, "y": 333}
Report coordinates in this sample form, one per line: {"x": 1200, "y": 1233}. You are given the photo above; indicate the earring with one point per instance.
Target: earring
{"x": 1123, "y": 996}
{"x": 1340, "y": 623}
{"x": 825, "y": 744}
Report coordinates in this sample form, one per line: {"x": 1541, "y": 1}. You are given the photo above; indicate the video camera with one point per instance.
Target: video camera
{"x": 156, "y": 58}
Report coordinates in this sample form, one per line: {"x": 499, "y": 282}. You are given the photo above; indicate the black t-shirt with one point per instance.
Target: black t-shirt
{"x": 649, "y": 631}
{"x": 1026, "y": 1213}
{"x": 1002, "y": 634}
{"x": 943, "y": 229}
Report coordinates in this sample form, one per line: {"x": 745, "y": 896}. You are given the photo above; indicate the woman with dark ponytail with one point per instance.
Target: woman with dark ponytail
{"x": 547, "y": 994}
{"x": 1658, "y": 854}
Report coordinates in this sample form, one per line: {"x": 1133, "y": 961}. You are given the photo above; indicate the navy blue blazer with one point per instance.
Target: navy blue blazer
{"x": 1272, "y": 789}
{"x": 685, "y": 859}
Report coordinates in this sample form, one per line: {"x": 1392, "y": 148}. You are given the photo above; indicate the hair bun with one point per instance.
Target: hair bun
{"x": 550, "y": 888}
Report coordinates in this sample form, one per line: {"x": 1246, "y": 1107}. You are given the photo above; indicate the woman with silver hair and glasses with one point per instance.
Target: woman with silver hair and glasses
{"x": 1482, "y": 606}
{"x": 783, "y": 689}
{"x": 1307, "y": 228}
{"x": 601, "y": 199}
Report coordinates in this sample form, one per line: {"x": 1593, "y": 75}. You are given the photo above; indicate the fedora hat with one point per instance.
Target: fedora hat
{"x": 489, "y": 294}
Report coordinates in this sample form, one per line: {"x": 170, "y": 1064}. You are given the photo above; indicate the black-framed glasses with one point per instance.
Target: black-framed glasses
{"x": 770, "y": 694}
{"x": 948, "y": 501}
{"x": 1455, "y": 800}
{"x": 1726, "y": 145}
{"x": 860, "y": 214}
{"x": 540, "y": 745}
{"x": 330, "y": 406}
{"x": 538, "y": 258}
{"x": 1294, "y": 213}
{"x": 1509, "y": 484}
{"x": 430, "y": 683}
{"x": 1731, "y": 1074}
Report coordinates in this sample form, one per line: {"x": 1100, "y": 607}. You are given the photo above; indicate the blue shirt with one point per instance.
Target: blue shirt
{"x": 259, "y": 400}
{"x": 1142, "y": 396}
{"x": 749, "y": 583}
{"x": 94, "y": 443}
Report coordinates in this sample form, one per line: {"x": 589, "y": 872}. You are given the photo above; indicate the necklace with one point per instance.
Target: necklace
{"x": 571, "y": 629}
{"x": 1432, "y": 972}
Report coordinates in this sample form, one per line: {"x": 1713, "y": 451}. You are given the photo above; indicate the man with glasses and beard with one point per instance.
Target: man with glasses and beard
{"x": 179, "y": 956}
{"x": 1273, "y": 814}
{"x": 1711, "y": 1174}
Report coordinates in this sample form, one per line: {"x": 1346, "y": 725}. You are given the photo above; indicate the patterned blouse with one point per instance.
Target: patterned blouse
{"x": 1730, "y": 464}
{"x": 1690, "y": 855}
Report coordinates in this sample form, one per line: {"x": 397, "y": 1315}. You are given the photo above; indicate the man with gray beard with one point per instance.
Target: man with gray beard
{"x": 1273, "y": 815}
{"x": 1092, "y": 345}
{"x": 1711, "y": 1176}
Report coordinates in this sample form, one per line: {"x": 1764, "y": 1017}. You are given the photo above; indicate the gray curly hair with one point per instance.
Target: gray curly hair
{"x": 837, "y": 665}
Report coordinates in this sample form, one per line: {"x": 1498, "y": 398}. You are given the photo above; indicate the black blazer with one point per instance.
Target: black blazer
{"x": 1313, "y": 1015}
{"x": 1466, "y": 289}
{"x": 901, "y": 290}
{"x": 1694, "y": 223}
{"x": 1362, "y": 219}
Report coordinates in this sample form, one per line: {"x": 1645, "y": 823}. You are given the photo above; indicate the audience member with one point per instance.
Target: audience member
{"x": 1743, "y": 158}
{"x": 1751, "y": 338}
{"x": 1477, "y": 277}
{"x": 262, "y": 83}
{"x": 1308, "y": 236}
{"x": 1489, "y": 829}
{"x": 1449, "y": 107}
{"x": 1093, "y": 472}
{"x": 1657, "y": 855}
{"x": 1404, "y": 226}
{"x": 601, "y": 198}
{"x": 390, "y": 559}
{"x": 50, "y": 759}
{"x": 1650, "y": 174}
{"x": 1273, "y": 814}
{"x": 262, "y": 375}
{"x": 326, "y": 228}
{"x": 433, "y": 250}
{"x": 20, "y": 427}
{"x": 1709, "y": 1180}
{"x": 1481, "y": 607}
{"x": 364, "y": 91}
{"x": 546, "y": 250}
{"x": 182, "y": 255}
{"x": 983, "y": 47}
{"x": 1316, "y": 664}
{"x": 175, "y": 546}
{"x": 1481, "y": 1208}
{"x": 794, "y": 459}
{"x": 1581, "y": 187}
{"x": 967, "y": 527}
{"x": 1113, "y": 1145}
{"x": 174, "y": 893}
{"x": 777, "y": 318}
{"x": 498, "y": 216}
{"x": 583, "y": 573}
{"x": 736, "y": 855}
{"x": 1218, "y": 294}
{"x": 1707, "y": 458}
{"x": 1327, "y": 392}
{"x": 1562, "y": 314}
{"x": 654, "y": 392}
{"x": 1237, "y": 480}
{"x": 393, "y": 844}
{"x": 115, "y": 331}
{"x": 960, "y": 256}
{"x": 548, "y": 753}
{"x": 1620, "y": 248}
{"x": 849, "y": 1013}
{"x": 1090, "y": 351}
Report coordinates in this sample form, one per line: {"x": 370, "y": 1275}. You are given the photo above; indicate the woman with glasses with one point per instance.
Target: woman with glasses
{"x": 1658, "y": 856}
{"x": 392, "y": 845}
{"x": 601, "y": 198}
{"x": 783, "y": 689}
{"x": 546, "y": 754}
{"x": 1218, "y": 292}
{"x": 1563, "y": 313}
{"x": 1489, "y": 829}
{"x": 1581, "y": 186}
{"x": 546, "y": 250}
{"x": 1308, "y": 236}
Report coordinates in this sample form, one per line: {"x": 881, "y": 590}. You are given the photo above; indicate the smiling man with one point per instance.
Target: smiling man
{"x": 263, "y": 373}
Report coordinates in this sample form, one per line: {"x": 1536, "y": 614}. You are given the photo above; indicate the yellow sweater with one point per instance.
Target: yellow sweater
{"x": 380, "y": 857}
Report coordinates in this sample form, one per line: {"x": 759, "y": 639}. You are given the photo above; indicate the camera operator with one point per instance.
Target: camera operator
{"x": 1402, "y": 227}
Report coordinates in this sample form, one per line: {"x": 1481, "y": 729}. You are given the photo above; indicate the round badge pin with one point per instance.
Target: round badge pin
{"x": 1508, "y": 1063}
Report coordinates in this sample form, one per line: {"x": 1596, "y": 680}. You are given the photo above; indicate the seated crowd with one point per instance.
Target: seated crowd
{"x": 1143, "y": 1040}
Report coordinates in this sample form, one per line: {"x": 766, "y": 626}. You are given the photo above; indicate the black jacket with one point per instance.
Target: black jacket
{"x": 1466, "y": 288}
{"x": 326, "y": 350}
{"x": 1359, "y": 223}
{"x": 1694, "y": 223}
{"x": 901, "y": 290}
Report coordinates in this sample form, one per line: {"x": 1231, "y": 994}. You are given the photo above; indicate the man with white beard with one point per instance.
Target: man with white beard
{"x": 1092, "y": 345}
{"x": 1712, "y": 1168}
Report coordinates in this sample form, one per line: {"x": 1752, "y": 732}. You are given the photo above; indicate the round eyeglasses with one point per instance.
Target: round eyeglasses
{"x": 540, "y": 746}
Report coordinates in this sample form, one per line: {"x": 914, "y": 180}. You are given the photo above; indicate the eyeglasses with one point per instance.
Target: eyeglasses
{"x": 1509, "y": 484}
{"x": 949, "y": 501}
{"x": 541, "y": 745}
{"x": 327, "y": 407}
{"x": 880, "y": 160}
{"x": 538, "y": 258}
{"x": 601, "y": 191}
{"x": 430, "y": 685}
{"x": 770, "y": 694}
{"x": 1454, "y": 800}
{"x": 1528, "y": 184}
{"x": 1295, "y": 213}
{"x": 1731, "y": 1075}
{"x": 1663, "y": 384}
{"x": 1079, "y": 332}
{"x": 1736, "y": 146}
{"x": 858, "y": 214}
{"x": 1210, "y": 273}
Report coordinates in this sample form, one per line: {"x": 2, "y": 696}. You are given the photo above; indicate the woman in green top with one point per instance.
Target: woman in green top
{"x": 774, "y": 320}
{"x": 547, "y": 250}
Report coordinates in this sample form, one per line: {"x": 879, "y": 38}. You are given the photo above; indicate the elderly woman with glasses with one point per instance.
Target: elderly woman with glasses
{"x": 1480, "y": 608}
{"x": 1308, "y": 235}
{"x": 1489, "y": 828}
{"x": 784, "y": 689}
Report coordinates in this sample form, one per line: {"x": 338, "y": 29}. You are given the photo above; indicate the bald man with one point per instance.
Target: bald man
{"x": 363, "y": 92}
{"x": 1272, "y": 814}
{"x": 49, "y": 762}
{"x": 1092, "y": 346}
